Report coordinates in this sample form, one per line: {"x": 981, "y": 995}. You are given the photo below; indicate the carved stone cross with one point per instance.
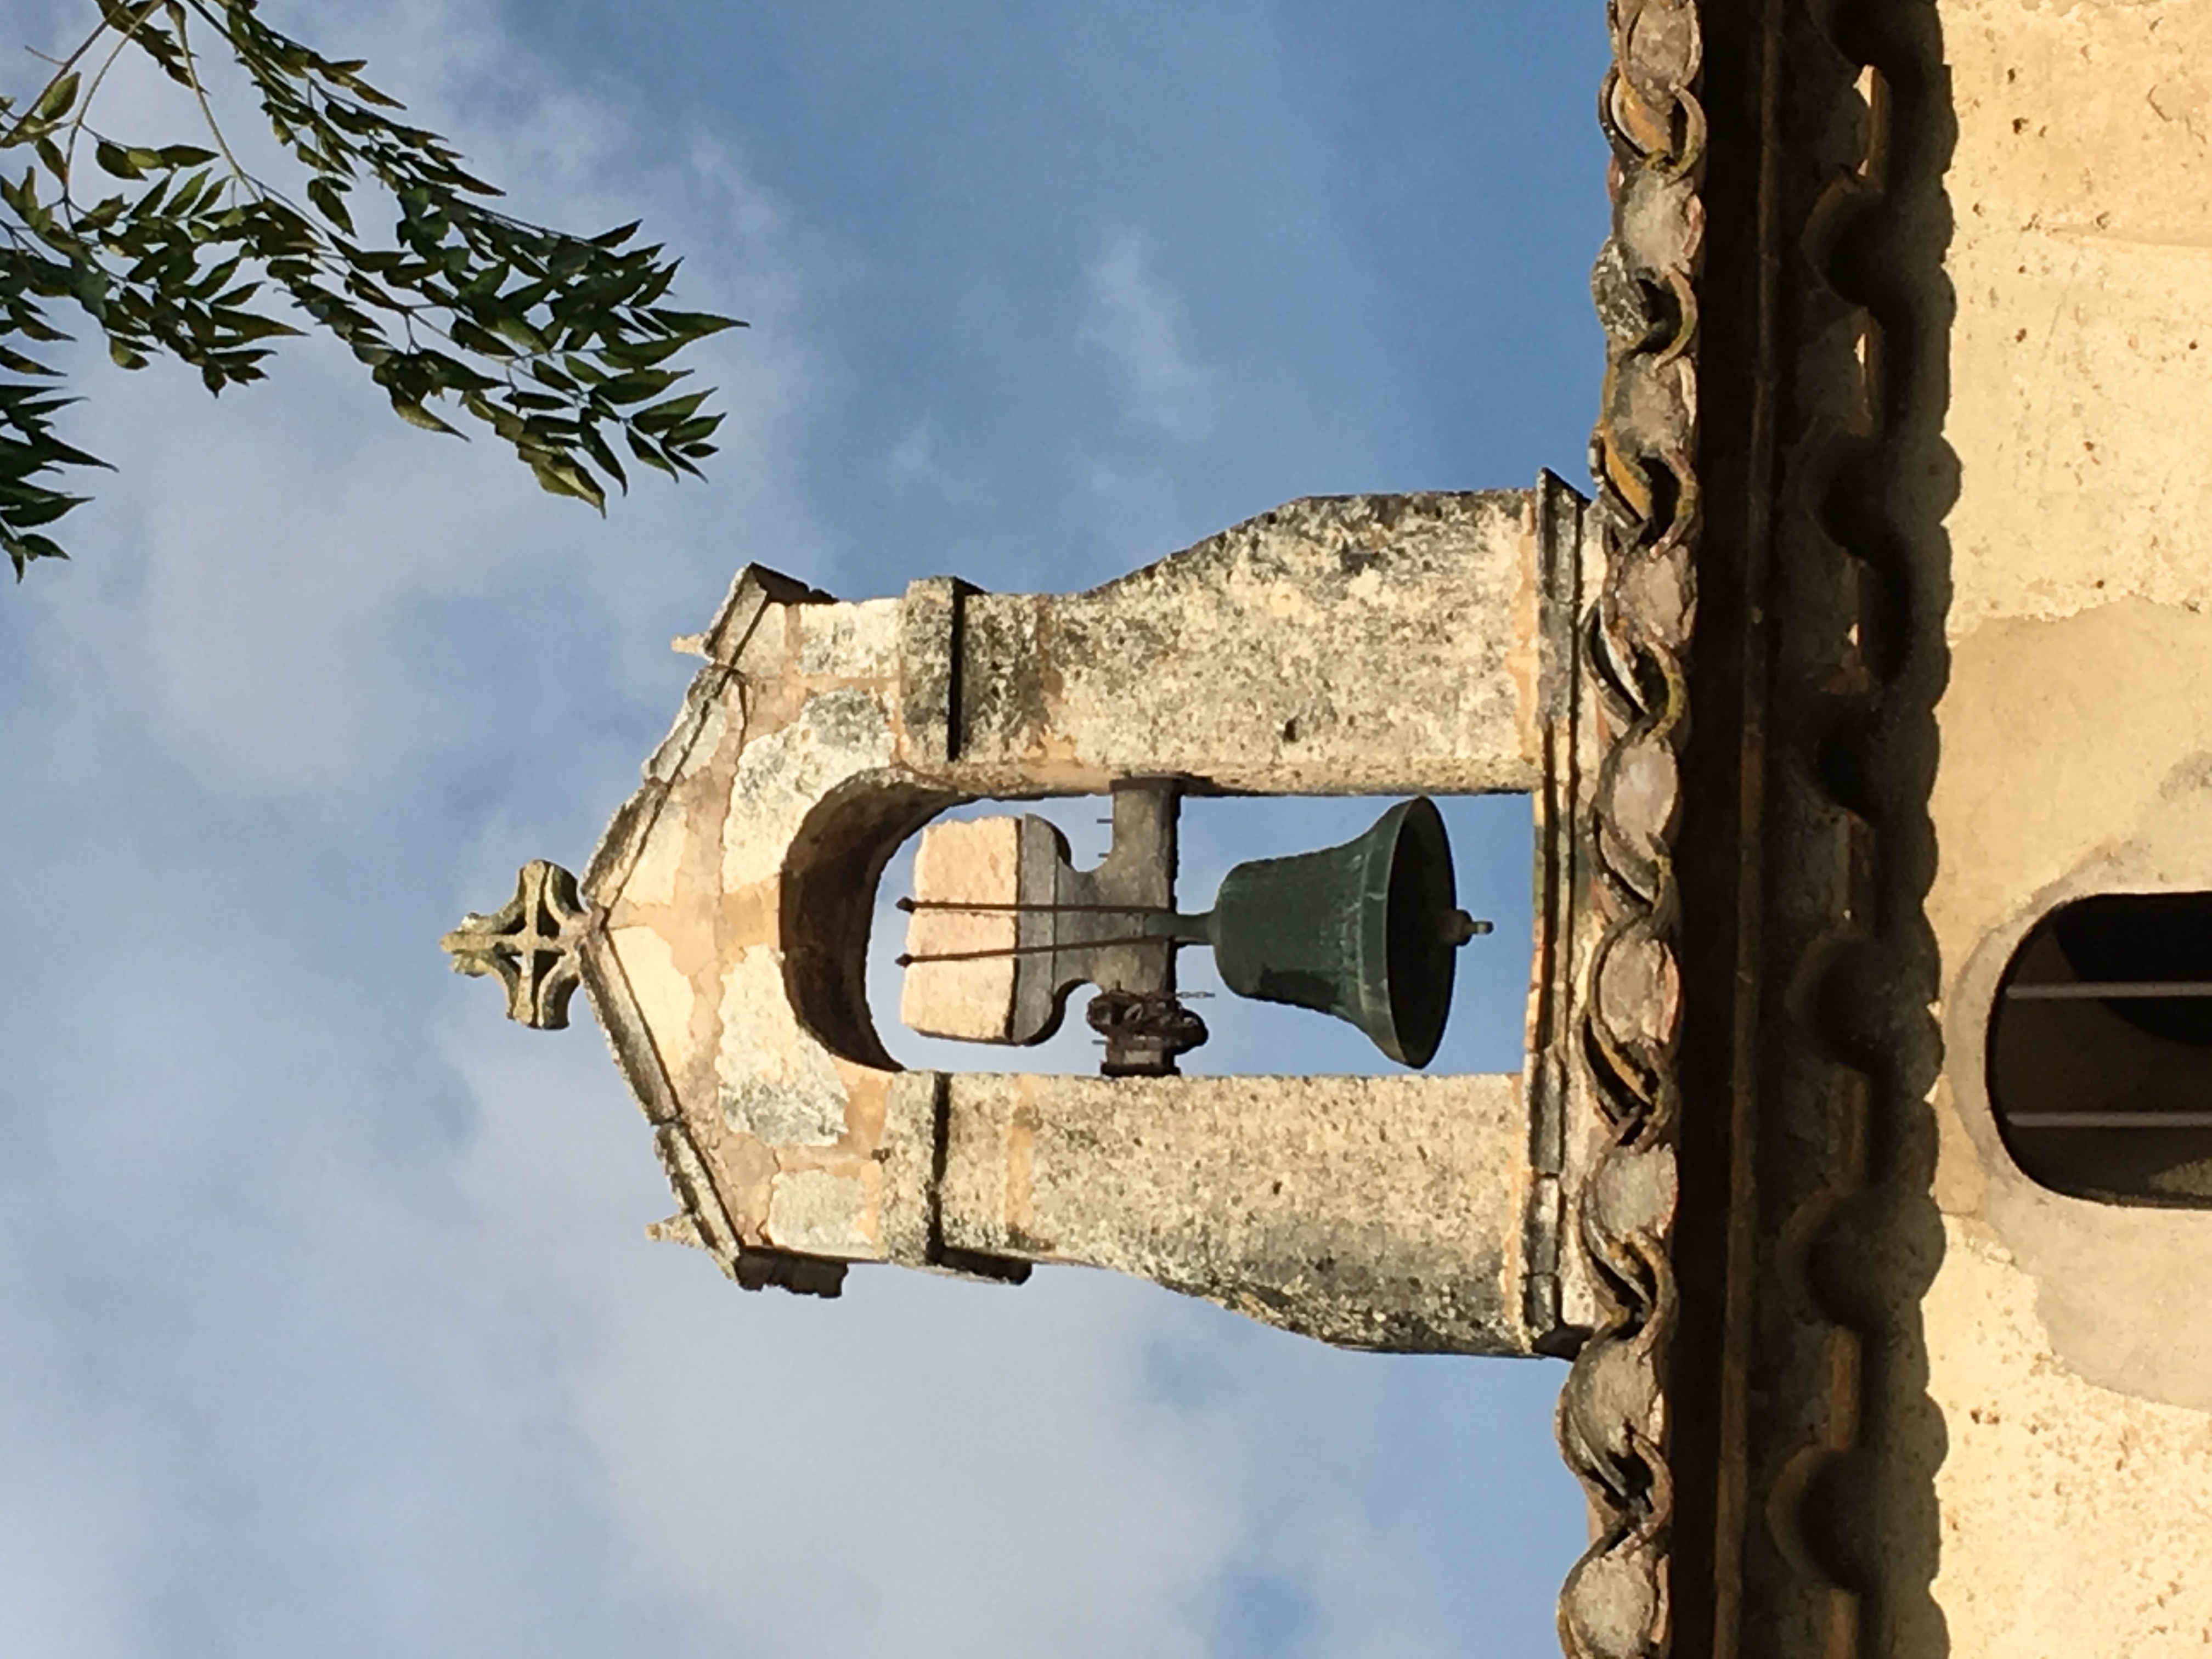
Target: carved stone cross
{"x": 529, "y": 945}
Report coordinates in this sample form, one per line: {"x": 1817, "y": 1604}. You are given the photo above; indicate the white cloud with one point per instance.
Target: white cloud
{"x": 950, "y": 1468}
{"x": 913, "y": 461}
{"x": 1137, "y": 321}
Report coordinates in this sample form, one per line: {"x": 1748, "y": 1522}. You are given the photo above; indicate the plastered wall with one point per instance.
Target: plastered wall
{"x": 2069, "y": 1342}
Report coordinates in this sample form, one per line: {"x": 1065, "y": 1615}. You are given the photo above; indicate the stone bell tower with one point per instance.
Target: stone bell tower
{"x": 1384, "y": 646}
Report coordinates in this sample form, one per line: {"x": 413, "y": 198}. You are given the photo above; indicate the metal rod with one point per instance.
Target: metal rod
{"x": 1071, "y": 947}
{"x": 910, "y": 905}
{"x": 2110, "y": 1119}
{"x": 2111, "y": 990}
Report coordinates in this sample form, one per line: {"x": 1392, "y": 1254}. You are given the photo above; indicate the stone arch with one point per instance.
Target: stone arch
{"x": 830, "y": 879}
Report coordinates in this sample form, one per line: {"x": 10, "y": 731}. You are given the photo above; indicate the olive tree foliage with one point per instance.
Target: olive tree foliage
{"x": 558, "y": 343}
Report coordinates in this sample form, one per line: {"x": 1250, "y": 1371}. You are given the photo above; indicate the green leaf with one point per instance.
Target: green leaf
{"x": 37, "y": 328}
{"x": 640, "y": 384}
{"x": 661, "y": 417}
{"x": 251, "y": 326}
{"x": 603, "y": 458}
{"x": 644, "y": 451}
{"x": 641, "y": 354}
{"x": 196, "y": 188}
{"x": 17, "y": 362}
{"x": 44, "y": 506}
{"x": 564, "y": 478}
{"x": 512, "y": 328}
{"x": 57, "y": 99}
{"x": 148, "y": 207}
{"x": 694, "y": 324}
{"x": 115, "y": 160}
{"x": 466, "y": 335}
{"x": 570, "y": 257}
{"x": 414, "y": 414}
{"x": 654, "y": 285}
{"x": 324, "y": 194}
{"x": 24, "y": 548}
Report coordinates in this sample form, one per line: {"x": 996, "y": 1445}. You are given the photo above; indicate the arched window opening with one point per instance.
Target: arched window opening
{"x": 2100, "y": 1049}
{"x": 1492, "y": 842}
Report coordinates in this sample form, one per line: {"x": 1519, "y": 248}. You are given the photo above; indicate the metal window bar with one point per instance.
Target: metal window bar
{"x": 2110, "y": 1119}
{"x": 2110, "y": 990}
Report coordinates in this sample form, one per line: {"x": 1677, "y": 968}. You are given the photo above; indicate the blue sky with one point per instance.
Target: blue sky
{"x": 331, "y": 1327}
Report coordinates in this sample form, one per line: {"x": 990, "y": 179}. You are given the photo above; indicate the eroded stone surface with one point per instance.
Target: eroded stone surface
{"x": 1373, "y": 1212}
{"x": 1334, "y": 646}
{"x": 1347, "y": 645}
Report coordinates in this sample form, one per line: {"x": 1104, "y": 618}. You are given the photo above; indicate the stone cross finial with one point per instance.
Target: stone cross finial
{"x": 529, "y": 945}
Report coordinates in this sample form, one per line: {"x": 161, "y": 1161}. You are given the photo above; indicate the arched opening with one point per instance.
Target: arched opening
{"x": 2100, "y": 1049}
{"x": 1493, "y": 842}
{"x": 832, "y": 870}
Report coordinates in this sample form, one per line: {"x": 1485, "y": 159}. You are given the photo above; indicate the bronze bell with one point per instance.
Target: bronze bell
{"x": 1367, "y": 931}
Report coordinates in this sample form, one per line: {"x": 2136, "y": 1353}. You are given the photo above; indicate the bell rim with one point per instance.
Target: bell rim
{"x": 1419, "y": 816}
